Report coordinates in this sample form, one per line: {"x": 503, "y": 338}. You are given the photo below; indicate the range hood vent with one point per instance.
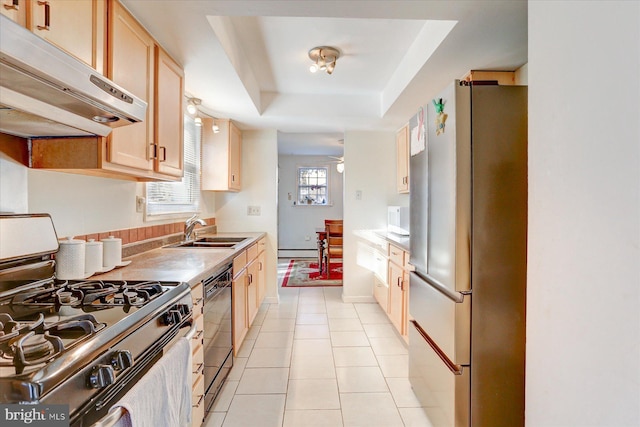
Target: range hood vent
{"x": 44, "y": 91}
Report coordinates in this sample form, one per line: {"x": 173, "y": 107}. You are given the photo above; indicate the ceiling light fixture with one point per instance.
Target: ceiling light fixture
{"x": 324, "y": 58}
{"x": 192, "y": 105}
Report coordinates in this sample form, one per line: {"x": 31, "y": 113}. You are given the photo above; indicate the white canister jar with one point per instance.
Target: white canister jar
{"x": 70, "y": 259}
{"x": 93, "y": 257}
{"x": 112, "y": 252}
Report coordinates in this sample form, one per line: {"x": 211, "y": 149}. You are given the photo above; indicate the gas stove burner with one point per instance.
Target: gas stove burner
{"x": 126, "y": 294}
{"x": 30, "y": 343}
{"x": 49, "y": 297}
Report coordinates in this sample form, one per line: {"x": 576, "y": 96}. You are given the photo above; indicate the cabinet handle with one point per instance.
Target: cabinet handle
{"x": 163, "y": 150}
{"x": 198, "y": 369}
{"x": 233, "y": 178}
{"x": 47, "y": 15}
{"x": 260, "y": 266}
{"x": 198, "y": 301}
{"x": 197, "y": 405}
{"x": 13, "y": 5}
{"x": 154, "y": 151}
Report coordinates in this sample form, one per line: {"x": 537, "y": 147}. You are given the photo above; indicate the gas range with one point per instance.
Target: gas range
{"x": 80, "y": 343}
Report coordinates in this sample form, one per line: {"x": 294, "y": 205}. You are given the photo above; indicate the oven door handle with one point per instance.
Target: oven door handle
{"x": 112, "y": 418}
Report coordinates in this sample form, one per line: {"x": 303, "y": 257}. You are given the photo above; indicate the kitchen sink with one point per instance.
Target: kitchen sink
{"x": 210, "y": 243}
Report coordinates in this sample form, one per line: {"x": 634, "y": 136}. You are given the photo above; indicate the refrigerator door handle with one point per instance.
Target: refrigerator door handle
{"x": 455, "y": 369}
{"x": 457, "y": 297}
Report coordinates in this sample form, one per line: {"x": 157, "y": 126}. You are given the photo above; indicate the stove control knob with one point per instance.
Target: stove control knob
{"x": 171, "y": 317}
{"x": 121, "y": 360}
{"x": 101, "y": 376}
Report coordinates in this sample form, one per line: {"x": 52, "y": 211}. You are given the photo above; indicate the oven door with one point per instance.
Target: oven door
{"x": 218, "y": 342}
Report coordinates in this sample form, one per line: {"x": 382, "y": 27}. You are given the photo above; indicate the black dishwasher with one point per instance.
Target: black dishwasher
{"x": 218, "y": 344}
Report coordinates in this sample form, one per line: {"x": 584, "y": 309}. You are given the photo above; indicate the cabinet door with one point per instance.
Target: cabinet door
{"x": 239, "y": 305}
{"x": 68, "y": 24}
{"x": 381, "y": 293}
{"x": 169, "y": 89}
{"x": 252, "y": 290}
{"x": 235, "y": 157}
{"x": 262, "y": 279}
{"x": 402, "y": 153}
{"x": 15, "y": 10}
{"x": 131, "y": 54}
{"x": 396, "y": 297}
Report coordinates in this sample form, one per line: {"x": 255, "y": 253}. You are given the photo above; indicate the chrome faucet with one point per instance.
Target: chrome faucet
{"x": 190, "y": 224}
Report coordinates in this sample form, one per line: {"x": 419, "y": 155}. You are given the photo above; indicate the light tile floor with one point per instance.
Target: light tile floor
{"x": 313, "y": 360}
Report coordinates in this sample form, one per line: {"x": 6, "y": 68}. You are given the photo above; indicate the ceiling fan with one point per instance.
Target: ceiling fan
{"x": 339, "y": 161}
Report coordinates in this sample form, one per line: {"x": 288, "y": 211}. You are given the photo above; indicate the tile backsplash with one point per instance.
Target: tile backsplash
{"x": 137, "y": 234}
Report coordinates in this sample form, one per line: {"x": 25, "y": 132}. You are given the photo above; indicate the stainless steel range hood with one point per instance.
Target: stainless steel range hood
{"x": 46, "y": 92}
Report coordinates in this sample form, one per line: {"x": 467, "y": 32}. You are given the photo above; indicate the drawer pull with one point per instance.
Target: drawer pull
{"x": 198, "y": 335}
{"x": 199, "y": 369}
{"x": 13, "y": 5}
{"x": 198, "y": 301}
{"x": 197, "y": 405}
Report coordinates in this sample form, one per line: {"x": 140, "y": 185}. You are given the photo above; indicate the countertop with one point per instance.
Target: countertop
{"x": 190, "y": 265}
{"x": 374, "y": 236}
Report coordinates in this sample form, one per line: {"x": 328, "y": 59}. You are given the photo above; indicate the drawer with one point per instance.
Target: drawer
{"x": 197, "y": 401}
{"x": 197, "y": 296}
{"x": 396, "y": 255}
{"x": 197, "y": 362}
{"x": 239, "y": 262}
{"x": 252, "y": 252}
{"x": 262, "y": 244}
{"x": 199, "y": 321}
{"x": 197, "y": 415}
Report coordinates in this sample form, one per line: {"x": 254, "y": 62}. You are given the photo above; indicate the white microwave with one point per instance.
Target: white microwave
{"x": 398, "y": 220}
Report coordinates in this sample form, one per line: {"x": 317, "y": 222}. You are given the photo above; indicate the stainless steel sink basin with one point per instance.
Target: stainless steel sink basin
{"x": 210, "y": 243}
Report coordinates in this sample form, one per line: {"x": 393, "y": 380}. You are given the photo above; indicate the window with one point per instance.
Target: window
{"x": 183, "y": 197}
{"x": 313, "y": 185}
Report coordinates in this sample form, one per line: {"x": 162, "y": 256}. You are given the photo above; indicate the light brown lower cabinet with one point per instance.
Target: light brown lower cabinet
{"x": 248, "y": 290}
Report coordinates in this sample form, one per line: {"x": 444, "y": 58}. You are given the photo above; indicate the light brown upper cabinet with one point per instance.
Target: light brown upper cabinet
{"x": 221, "y": 156}
{"x": 75, "y": 26}
{"x": 131, "y": 65}
{"x": 402, "y": 160}
{"x": 169, "y": 123}
{"x": 16, "y": 10}
{"x": 151, "y": 150}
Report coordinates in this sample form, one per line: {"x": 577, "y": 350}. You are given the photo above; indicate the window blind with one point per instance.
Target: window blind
{"x": 184, "y": 196}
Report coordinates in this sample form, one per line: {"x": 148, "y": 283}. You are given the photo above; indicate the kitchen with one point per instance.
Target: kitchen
{"x": 558, "y": 189}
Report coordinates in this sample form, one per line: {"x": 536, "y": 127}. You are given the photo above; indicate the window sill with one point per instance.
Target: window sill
{"x": 296, "y": 205}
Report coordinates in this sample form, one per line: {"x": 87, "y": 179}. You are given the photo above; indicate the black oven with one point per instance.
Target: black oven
{"x": 218, "y": 341}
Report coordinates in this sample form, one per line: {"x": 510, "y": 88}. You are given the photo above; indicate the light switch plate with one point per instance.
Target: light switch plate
{"x": 253, "y": 210}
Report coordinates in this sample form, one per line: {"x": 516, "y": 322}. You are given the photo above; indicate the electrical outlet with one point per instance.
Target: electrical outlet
{"x": 140, "y": 201}
{"x": 253, "y": 210}
{"x": 307, "y": 238}
{"x": 358, "y": 194}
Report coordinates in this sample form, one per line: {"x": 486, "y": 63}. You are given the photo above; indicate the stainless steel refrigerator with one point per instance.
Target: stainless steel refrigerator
{"x": 468, "y": 221}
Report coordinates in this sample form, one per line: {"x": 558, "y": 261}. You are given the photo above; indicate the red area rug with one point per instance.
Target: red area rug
{"x": 303, "y": 273}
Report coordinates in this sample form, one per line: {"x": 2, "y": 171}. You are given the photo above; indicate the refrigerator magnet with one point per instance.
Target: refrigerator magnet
{"x": 441, "y": 117}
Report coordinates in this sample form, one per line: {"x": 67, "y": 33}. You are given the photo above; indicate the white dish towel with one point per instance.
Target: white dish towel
{"x": 162, "y": 397}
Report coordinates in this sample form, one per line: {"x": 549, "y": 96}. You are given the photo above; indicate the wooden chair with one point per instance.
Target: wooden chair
{"x": 333, "y": 230}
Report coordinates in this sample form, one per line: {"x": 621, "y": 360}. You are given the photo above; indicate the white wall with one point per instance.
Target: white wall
{"x": 369, "y": 168}
{"x": 583, "y": 314}
{"x": 13, "y": 186}
{"x": 259, "y": 188}
{"x": 296, "y": 223}
{"x": 78, "y": 204}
